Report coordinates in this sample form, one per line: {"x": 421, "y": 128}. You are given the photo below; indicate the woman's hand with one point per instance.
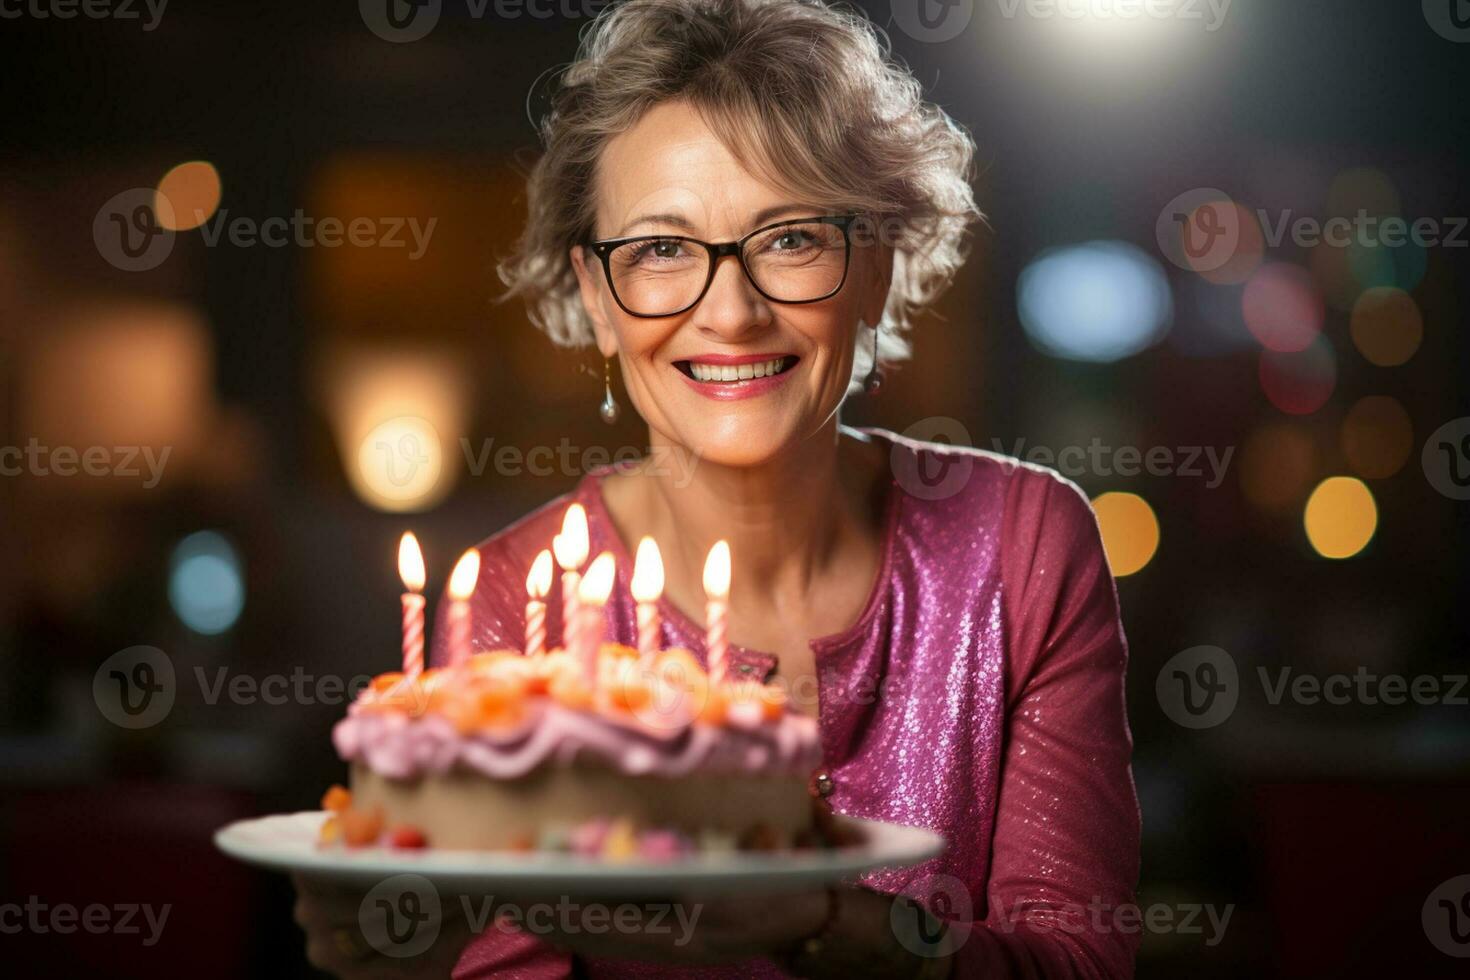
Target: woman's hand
{"x": 684, "y": 932}
{"x": 350, "y": 934}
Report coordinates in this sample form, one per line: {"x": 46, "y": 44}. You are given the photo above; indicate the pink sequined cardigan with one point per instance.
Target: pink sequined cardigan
{"x": 979, "y": 693}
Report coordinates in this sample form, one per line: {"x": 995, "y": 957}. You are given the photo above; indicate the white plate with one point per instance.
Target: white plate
{"x": 288, "y": 842}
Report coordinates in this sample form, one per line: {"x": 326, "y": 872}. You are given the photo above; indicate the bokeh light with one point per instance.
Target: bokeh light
{"x": 192, "y": 191}
{"x": 1130, "y": 531}
{"x": 1282, "y": 307}
{"x": 1277, "y": 465}
{"x": 1250, "y": 247}
{"x": 129, "y": 373}
{"x": 1299, "y": 382}
{"x": 1377, "y": 436}
{"x": 1098, "y": 301}
{"x": 399, "y": 463}
{"x": 206, "y": 584}
{"x": 396, "y": 414}
{"x": 1367, "y": 198}
{"x": 1386, "y": 325}
{"x": 1340, "y": 517}
{"x": 1375, "y": 264}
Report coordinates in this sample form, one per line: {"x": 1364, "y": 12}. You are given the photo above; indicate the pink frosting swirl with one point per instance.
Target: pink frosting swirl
{"x": 399, "y": 747}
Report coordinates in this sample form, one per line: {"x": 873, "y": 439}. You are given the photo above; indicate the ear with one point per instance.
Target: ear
{"x": 589, "y": 283}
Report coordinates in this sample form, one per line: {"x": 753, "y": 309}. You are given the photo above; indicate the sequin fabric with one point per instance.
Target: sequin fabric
{"x": 979, "y": 694}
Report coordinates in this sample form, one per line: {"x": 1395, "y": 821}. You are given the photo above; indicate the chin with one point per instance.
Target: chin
{"x": 741, "y": 439}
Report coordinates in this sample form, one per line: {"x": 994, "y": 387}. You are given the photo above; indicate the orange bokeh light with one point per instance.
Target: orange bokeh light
{"x": 1386, "y": 326}
{"x": 192, "y": 191}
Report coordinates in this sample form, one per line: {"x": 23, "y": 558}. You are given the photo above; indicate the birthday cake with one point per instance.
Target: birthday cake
{"x": 520, "y": 753}
{"x": 600, "y": 750}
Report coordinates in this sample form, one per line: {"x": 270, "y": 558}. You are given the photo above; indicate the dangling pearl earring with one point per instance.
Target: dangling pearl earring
{"x": 873, "y": 382}
{"x": 609, "y": 409}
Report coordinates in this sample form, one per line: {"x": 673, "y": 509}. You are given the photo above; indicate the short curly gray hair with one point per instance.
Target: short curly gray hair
{"x": 804, "y": 94}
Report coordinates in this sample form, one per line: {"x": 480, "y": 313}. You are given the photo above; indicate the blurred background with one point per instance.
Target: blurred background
{"x": 249, "y": 333}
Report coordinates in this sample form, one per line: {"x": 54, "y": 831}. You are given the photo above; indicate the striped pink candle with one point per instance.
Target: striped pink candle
{"x": 593, "y": 593}
{"x": 462, "y": 582}
{"x": 538, "y": 583}
{"x": 647, "y": 587}
{"x": 717, "y": 610}
{"x": 413, "y": 633}
{"x": 570, "y": 548}
{"x": 411, "y": 571}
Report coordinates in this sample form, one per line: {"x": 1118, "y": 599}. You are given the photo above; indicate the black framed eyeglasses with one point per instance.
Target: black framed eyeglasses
{"x": 803, "y": 260}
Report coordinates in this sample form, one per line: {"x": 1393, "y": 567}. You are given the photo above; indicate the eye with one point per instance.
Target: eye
{"x": 650, "y": 251}
{"x": 790, "y": 239}
{"x": 659, "y": 249}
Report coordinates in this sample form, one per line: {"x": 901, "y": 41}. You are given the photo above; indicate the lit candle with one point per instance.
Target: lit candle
{"x": 411, "y": 571}
{"x": 570, "y": 547}
{"x": 461, "y": 586}
{"x": 538, "y": 583}
{"x": 648, "y": 585}
{"x": 717, "y": 609}
{"x": 592, "y": 595}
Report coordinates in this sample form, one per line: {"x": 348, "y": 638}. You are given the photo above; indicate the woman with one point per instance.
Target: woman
{"x": 958, "y": 640}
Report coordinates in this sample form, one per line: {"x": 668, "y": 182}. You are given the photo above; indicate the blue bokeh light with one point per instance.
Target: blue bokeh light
{"x": 206, "y": 585}
{"x": 1097, "y": 301}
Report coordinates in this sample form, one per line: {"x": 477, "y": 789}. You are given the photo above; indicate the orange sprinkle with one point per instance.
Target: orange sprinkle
{"x": 337, "y": 798}
{"x": 361, "y": 827}
{"x": 385, "y": 682}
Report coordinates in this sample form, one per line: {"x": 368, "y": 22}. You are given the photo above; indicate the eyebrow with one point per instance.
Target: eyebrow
{"x": 760, "y": 218}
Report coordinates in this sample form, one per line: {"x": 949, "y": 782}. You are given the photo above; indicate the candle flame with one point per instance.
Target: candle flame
{"x": 648, "y": 572}
{"x": 571, "y": 544}
{"x": 466, "y": 573}
{"x": 717, "y": 571}
{"x": 411, "y": 563}
{"x": 597, "y": 584}
{"x": 538, "y": 582}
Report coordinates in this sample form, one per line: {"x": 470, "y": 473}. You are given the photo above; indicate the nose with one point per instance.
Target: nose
{"x": 731, "y": 308}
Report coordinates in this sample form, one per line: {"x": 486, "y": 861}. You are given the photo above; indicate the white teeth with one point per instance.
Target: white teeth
{"x": 730, "y": 372}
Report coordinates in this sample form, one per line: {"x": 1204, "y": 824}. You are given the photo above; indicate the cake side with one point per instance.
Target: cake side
{"x": 521, "y": 752}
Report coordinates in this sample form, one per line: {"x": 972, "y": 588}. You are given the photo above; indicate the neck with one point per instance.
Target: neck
{"x": 783, "y": 519}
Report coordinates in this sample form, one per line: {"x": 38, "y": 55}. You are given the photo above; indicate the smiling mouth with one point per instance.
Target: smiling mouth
{"x": 724, "y": 373}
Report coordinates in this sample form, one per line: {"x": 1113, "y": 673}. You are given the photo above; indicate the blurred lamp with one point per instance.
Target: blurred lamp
{"x": 398, "y": 416}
